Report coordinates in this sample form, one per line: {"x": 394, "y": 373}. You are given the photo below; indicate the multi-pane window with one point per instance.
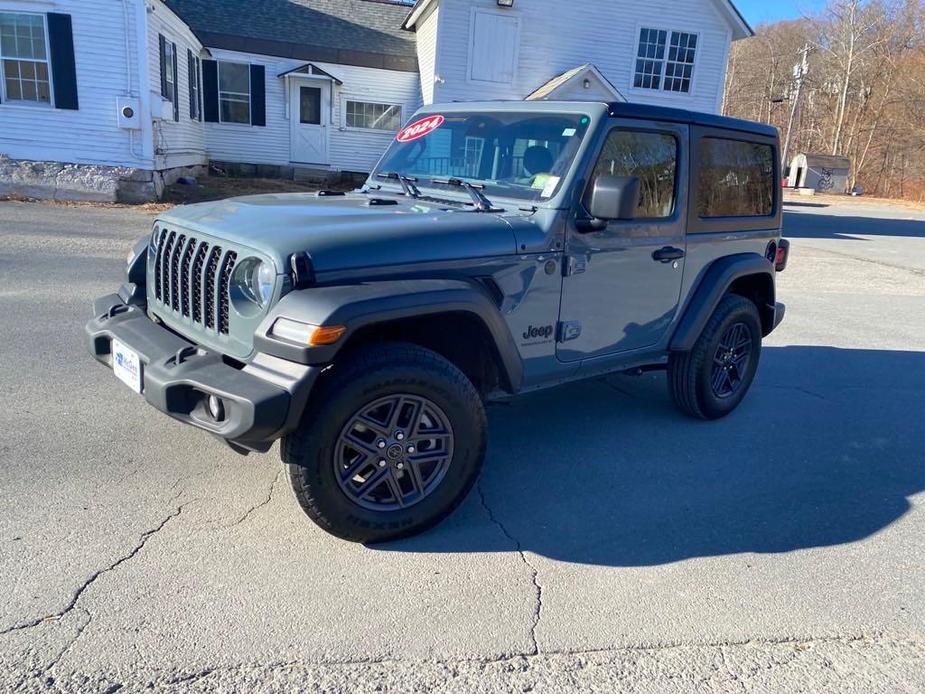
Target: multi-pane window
{"x": 234, "y": 92}
{"x": 650, "y": 157}
{"x": 665, "y": 60}
{"x": 24, "y": 57}
{"x": 650, "y": 58}
{"x": 735, "y": 178}
{"x": 168, "y": 70}
{"x": 680, "y": 65}
{"x": 361, "y": 114}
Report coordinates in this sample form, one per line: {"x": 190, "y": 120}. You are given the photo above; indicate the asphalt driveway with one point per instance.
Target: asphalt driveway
{"x": 611, "y": 543}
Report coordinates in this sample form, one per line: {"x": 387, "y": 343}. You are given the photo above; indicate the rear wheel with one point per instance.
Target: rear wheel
{"x": 711, "y": 380}
{"x": 391, "y": 444}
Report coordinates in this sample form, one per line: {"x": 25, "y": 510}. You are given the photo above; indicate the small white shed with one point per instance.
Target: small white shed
{"x": 823, "y": 173}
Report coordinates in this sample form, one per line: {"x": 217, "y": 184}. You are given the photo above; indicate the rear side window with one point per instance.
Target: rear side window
{"x": 735, "y": 179}
{"x": 652, "y": 158}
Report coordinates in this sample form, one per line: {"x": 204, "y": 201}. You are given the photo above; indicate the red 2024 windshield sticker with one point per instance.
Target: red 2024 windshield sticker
{"x": 419, "y": 128}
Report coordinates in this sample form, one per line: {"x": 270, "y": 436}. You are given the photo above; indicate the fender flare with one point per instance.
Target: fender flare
{"x": 361, "y": 305}
{"x": 711, "y": 288}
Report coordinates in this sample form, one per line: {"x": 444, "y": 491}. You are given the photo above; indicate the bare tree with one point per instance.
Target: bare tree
{"x": 863, "y": 96}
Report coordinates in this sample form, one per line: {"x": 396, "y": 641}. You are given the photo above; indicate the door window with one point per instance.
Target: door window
{"x": 650, "y": 157}
{"x": 310, "y": 105}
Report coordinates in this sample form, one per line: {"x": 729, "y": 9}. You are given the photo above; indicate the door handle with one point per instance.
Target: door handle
{"x": 667, "y": 254}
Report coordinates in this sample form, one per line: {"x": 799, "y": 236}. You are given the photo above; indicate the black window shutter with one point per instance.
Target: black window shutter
{"x": 210, "y": 91}
{"x": 258, "y": 95}
{"x": 176, "y": 87}
{"x": 191, "y": 77}
{"x": 162, "y": 45}
{"x": 63, "y": 64}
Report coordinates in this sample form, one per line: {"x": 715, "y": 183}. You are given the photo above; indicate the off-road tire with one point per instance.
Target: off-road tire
{"x": 689, "y": 373}
{"x": 360, "y": 378}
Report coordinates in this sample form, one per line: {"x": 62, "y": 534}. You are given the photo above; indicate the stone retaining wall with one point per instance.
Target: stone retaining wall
{"x": 86, "y": 182}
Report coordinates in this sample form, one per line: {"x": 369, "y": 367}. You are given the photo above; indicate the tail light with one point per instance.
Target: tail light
{"x": 781, "y": 255}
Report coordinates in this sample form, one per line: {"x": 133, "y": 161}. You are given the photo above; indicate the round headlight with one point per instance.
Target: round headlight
{"x": 265, "y": 280}
{"x": 254, "y": 279}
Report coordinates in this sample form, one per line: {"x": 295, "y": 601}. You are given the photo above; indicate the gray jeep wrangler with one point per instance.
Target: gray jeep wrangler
{"x": 496, "y": 249}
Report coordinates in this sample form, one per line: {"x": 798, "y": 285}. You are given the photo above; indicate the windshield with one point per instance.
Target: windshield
{"x": 515, "y": 155}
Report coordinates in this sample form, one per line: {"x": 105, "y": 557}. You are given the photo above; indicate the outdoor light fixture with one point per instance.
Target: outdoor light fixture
{"x": 505, "y": 3}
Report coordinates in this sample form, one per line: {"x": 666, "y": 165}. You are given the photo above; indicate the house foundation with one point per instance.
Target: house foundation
{"x": 86, "y": 182}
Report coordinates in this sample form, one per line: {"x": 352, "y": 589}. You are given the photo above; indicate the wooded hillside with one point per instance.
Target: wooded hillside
{"x": 863, "y": 91}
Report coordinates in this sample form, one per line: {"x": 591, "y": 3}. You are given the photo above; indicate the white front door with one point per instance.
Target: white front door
{"x": 309, "y": 118}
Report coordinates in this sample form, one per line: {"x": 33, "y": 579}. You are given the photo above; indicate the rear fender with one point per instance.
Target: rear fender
{"x": 716, "y": 281}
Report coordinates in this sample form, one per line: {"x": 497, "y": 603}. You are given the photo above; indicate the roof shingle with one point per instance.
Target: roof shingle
{"x": 350, "y": 32}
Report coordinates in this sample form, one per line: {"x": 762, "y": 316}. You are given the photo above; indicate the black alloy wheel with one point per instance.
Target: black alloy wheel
{"x": 393, "y": 452}
{"x": 731, "y": 361}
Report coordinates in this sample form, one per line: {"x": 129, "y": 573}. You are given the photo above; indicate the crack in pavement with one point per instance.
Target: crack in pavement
{"x": 263, "y": 503}
{"x": 730, "y": 672}
{"x": 80, "y": 630}
{"x": 145, "y": 536}
{"x": 534, "y": 573}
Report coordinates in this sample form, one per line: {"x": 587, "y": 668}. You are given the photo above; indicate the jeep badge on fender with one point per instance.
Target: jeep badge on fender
{"x": 366, "y": 331}
{"x": 533, "y": 333}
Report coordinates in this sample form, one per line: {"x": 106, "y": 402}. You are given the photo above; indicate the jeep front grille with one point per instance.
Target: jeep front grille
{"x": 193, "y": 278}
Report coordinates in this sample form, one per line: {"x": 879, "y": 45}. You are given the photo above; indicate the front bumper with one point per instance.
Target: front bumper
{"x": 262, "y": 400}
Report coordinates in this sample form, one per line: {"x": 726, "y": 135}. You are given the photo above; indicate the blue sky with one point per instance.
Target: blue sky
{"x": 757, "y": 11}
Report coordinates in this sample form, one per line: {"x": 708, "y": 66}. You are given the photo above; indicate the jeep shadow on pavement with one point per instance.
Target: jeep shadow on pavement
{"x": 496, "y": 249}
{"x": 606, "y": 473}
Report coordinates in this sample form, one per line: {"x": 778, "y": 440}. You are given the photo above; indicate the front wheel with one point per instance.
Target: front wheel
{"x": 711, "y": 380}
{"x": 389, "y": 446}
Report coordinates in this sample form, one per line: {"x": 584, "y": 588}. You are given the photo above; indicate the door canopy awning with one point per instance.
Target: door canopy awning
{"x": 310, "y": 70}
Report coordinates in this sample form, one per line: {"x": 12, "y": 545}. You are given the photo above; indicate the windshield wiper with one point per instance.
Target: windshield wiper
{"x": 407, "y": 182}
{"x": 482, "y": 203}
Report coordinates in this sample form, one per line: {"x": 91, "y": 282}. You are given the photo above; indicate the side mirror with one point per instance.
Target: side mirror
{"x": 614, "y": 197}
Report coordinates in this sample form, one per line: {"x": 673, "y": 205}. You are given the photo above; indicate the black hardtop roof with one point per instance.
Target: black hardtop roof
{"x": 621, "y": 109}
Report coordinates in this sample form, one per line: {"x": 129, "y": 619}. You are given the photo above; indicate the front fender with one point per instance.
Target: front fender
{"x": 360, "y": 305}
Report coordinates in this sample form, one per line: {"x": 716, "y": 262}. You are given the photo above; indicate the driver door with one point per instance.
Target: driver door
{"x": 623, "y": 283}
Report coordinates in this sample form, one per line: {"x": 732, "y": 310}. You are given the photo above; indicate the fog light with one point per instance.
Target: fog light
{"x": 216, "y": 408}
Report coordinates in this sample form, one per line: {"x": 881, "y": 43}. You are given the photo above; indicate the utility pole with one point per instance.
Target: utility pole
{"x": 799, "y": 76}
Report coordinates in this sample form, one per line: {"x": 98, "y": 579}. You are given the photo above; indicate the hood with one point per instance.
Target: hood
{"x": 345, "y": 232}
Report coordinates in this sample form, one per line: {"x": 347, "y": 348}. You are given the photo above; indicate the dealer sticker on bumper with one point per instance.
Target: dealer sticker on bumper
{"x": 126, "y": 365}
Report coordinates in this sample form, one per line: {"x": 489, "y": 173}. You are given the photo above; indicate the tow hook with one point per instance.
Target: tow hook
{"x": 182, "y": 354}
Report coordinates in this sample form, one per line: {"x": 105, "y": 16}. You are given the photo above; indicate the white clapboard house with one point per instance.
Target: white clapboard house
{"x": 113, "y": 98}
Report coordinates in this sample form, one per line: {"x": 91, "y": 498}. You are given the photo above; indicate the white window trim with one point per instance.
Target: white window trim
{"x": 503, "y": 13}
{"x": 250, "y": 115}
{"x": 661, "y": 88}
{"x": 167, "y": 74}
{"x": 196, "y": 89}
{"x": 362, "y": 100}
{"x": 25, "y": 103}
